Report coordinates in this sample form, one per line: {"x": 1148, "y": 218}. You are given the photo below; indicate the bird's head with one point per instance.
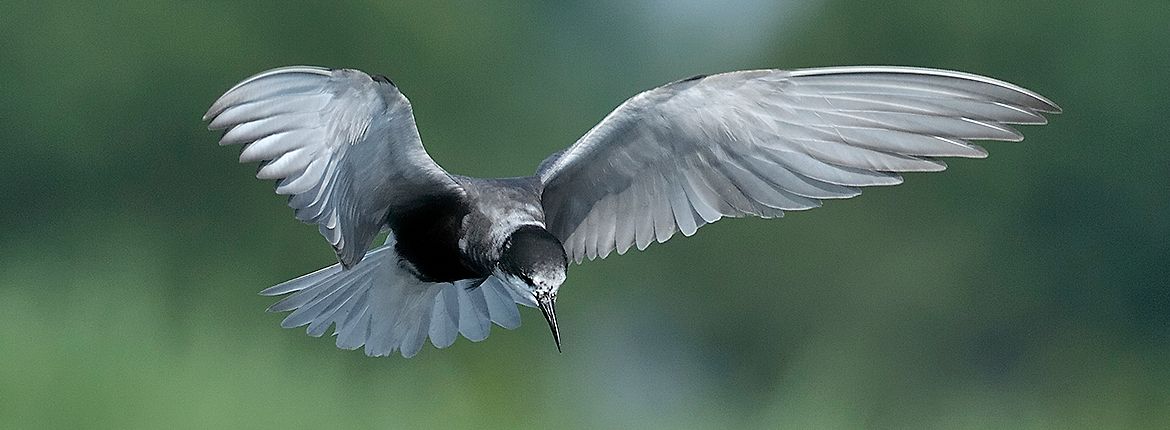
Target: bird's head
{"x": 533, "y": 260}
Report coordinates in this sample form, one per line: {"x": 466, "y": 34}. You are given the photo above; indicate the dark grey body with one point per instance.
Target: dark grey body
{"x": 455, "y": 237}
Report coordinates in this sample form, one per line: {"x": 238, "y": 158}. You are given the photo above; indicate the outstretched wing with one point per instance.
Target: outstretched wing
{"x": 763, "y": 142}
{"x": 341, "y": 144}
{"x": 380, "y": 305}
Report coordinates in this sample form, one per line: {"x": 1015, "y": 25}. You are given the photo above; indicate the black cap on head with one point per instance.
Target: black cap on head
{"x": 536, "y": 257}
{"x": 531, "y": 248}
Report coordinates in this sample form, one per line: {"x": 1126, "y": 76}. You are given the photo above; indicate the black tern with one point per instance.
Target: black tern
{"x": 462, "y": 252}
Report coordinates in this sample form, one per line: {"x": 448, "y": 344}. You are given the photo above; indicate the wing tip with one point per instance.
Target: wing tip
{"x": 1043, "y": 104}
{"x": 1052, "y": 107}
{"x": 220, "y": 105}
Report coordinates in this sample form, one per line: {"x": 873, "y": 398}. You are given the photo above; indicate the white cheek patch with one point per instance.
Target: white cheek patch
{"x": 550, "y": 277}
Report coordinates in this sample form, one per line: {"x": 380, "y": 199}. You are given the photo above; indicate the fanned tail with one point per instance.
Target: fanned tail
{"x": 380, "y": 305}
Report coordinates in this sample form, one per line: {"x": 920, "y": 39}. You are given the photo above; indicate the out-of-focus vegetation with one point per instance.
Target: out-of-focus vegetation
{"x": 1028, "y": 290}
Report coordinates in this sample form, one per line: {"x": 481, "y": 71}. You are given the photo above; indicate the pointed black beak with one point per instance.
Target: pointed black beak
{"x": 548, "y": 307}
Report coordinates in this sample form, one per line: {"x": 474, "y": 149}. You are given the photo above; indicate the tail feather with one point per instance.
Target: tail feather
{"x": 330, "y": 313}
{"x": 500, "y": 304}
{"x": 444, "y": 327}
{"x": 352, "y": 334}
{"x": 301, "y": 282}
{"x": 474, "y": 322}
{"x": 385, "y": 308}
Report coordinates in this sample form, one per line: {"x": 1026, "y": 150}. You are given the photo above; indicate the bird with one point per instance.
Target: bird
{"x": 461, "y": 253}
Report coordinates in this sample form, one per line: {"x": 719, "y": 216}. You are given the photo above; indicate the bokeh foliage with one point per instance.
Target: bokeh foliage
{"x": 1028, "y": 290}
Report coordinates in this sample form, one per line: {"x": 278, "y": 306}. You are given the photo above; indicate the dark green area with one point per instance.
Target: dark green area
{"x": 1028, "y": 290}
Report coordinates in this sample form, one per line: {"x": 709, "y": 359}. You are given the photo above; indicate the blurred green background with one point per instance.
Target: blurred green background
{"x": 1028, "y": 290}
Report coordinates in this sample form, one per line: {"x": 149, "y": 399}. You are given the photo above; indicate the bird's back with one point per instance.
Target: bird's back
{"x": 498, "y": 206}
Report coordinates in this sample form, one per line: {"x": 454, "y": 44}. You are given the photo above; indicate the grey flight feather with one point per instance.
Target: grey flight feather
{"x": 762, "y": 142}
{"x": 342, "y": 145}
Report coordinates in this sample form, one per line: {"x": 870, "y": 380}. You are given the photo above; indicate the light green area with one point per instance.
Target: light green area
{"x": 1026, "y": 291}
